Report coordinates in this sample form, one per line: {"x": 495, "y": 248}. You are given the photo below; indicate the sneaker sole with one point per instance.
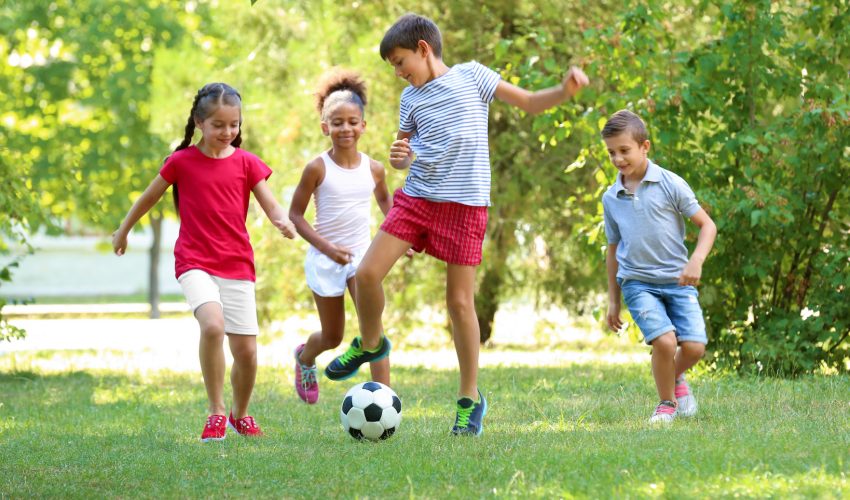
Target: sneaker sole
{"x": 207, "y": 440}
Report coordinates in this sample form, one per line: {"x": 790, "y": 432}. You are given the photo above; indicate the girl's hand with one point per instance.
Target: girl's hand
{"x": 286, "y": 227}
{"x": 410, "y": 253}
{"x": 691, "y": 273}
{"x": 119, "y": 243}
{"x": 401, "y": 156}
{"x": 615, "y": 323}
{"x": 340, "y": 255}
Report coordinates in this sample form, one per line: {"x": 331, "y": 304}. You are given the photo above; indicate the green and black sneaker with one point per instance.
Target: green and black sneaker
{"x": 470, "y": 416}
{"x": 346, "y": 366}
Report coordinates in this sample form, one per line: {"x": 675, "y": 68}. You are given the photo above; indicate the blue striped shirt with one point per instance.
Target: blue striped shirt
{"x": 448, "y": 120}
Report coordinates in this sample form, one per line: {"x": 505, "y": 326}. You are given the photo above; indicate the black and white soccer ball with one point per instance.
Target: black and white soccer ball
{"x": 370, "y": 411}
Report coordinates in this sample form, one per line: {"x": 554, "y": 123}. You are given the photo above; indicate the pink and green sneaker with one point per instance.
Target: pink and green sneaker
{"x": 687, "y": 401}
{"x": 306, "y": 383}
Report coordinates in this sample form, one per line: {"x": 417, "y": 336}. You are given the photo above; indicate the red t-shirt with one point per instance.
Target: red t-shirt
{"x": 214, "y": 195}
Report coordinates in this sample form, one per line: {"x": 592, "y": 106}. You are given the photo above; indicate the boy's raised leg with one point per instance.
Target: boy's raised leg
{"x": 460, "y": 300}
{"x": 372, "y": 345}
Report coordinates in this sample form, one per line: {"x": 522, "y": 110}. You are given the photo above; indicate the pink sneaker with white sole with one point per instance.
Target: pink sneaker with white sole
{"x": 306, "y": 383}
{"x": 687, "y": 401}
{"x": 665, "y": 412}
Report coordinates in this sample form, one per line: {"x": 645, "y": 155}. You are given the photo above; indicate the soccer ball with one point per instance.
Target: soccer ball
{"x": 370, "y": 411}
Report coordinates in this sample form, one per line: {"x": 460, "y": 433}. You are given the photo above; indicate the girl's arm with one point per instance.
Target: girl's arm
{"x": 273, "y": 211}
{"x": 614, "y": 320}
{"x": 707, "y": 232}
{"x": 535, "y": 102}
{"x": 382, "y": 193}
{"x": 146, "y": 201}
{"x": 311, "y": 178}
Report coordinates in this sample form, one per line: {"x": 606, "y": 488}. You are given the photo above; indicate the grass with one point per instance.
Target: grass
{"x": 571, "y": 431}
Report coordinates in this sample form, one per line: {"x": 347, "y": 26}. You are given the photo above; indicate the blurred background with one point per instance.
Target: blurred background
{"x": 747, "y": 100}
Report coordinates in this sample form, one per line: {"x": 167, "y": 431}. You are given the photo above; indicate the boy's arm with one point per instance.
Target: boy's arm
{"x": 273, "y": 211}
{"x": 401, "y": 156}
{"x": 535, "y": 102}
{"x": 615, "y": 323}
{"x": 707, "y": 232}
{"x": 146, "y": 201}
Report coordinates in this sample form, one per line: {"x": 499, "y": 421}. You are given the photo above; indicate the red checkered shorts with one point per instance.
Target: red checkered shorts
{"x": 451, "y": 232}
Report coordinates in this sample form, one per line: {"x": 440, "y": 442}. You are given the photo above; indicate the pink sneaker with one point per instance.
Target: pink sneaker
{"x": 245, "y": 426}
{"x": 215, "y": 428}
{"x": 687, "y": 401}
{"x": 665, "y": 412}
{"x": 306, "y": 384}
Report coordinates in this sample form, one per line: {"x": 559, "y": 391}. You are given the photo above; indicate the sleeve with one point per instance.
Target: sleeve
{"x": 685, "y": 199}
{"x": 169, "y": 170}
{"x": 612, "y": 231}
{"x": 257, "y": 171}
{"x": 405, "y": 117}
{"x": 486, "y": 80}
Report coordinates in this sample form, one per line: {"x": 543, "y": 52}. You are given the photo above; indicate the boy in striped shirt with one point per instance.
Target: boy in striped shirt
{"x": 442, "y": 209}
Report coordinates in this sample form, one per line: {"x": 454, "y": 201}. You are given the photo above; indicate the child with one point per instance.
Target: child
{"x": 343, "y": 180}
{"x": 214, "y": 260}
{"x": 442, "y": 208}
{"x": 648, "y": 260}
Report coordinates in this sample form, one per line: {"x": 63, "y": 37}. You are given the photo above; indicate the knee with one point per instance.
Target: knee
{"x": 213, "y": 330}
{"x": 665, "y": 344}
{"x": 693, "y": 350}
{"x": 367, "y": 277}
{"x": 244, "y": 351}
{"x": 460, "y": 305}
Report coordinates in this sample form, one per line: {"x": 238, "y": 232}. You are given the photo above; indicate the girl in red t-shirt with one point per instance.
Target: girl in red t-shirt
{"x": 214, "y": 260}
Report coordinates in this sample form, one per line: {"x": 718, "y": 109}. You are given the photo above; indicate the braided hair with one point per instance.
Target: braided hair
{"x": 340, "y": 86}
{"x": 207, "y": 100}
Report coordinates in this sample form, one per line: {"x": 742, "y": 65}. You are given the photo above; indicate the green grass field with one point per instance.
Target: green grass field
{"x": 571, "y": 431}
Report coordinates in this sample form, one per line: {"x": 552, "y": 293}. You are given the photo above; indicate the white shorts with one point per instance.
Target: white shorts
{"x": 236, "y": 298}
{"x": 327, "y": 278}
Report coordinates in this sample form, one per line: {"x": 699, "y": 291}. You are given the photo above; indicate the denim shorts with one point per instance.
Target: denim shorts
{"x": 660, "y": 308}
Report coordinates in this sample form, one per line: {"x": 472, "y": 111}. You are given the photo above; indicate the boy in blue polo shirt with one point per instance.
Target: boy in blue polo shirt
{"x": 647, "y": 260}
{"x": 442, "y": 209}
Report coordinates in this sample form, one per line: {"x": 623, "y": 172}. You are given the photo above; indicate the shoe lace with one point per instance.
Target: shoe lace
{"x": 214, "y": 421}
{"x": 463, "y": 415}
{"x": 665, "y": 408}
{"x": 350, "y": 354}
{"x": 308, "y": 376}
{"x": 247, "y": 422}
{"x": 682, "y": 389}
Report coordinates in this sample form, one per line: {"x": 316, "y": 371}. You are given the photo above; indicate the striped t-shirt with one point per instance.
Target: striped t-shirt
{"x": 448, "y": 120}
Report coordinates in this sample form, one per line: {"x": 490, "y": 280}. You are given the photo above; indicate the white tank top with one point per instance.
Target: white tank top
{"x": 343, "y": 203}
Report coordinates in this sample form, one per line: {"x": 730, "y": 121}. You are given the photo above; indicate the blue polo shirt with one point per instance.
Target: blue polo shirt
{"x": 648, "y": 225}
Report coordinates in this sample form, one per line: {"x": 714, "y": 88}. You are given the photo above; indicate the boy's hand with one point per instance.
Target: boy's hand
{"x": 574, "y": 81}
{"x": 401, "y": 156}
{"x": 119, "y": 243}
{"x": 615, "y": 323}
{"x": 338, "y": 254}
{"x": 691, "y": 274}
{"x": 285, "y": 226}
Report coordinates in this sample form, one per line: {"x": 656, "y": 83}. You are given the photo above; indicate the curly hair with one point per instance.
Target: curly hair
{"x": 340, "y": 86}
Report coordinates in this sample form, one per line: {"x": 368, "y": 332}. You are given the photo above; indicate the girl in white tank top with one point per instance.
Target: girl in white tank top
{"x": 343, "y": 181}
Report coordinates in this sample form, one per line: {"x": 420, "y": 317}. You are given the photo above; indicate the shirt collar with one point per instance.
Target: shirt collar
{"x": 653, "y": 174}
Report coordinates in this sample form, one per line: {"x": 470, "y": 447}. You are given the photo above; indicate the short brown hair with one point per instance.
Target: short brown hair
{"x": 626, "y": 121}
{"x": 406, "y": 32}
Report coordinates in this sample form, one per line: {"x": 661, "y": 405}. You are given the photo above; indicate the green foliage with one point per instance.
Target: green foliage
{"x": 751, "y": 107}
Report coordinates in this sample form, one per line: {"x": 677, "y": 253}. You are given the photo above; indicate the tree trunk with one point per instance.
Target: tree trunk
{"x": 153, "y": 271}
{"x": 489, "y": 295}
